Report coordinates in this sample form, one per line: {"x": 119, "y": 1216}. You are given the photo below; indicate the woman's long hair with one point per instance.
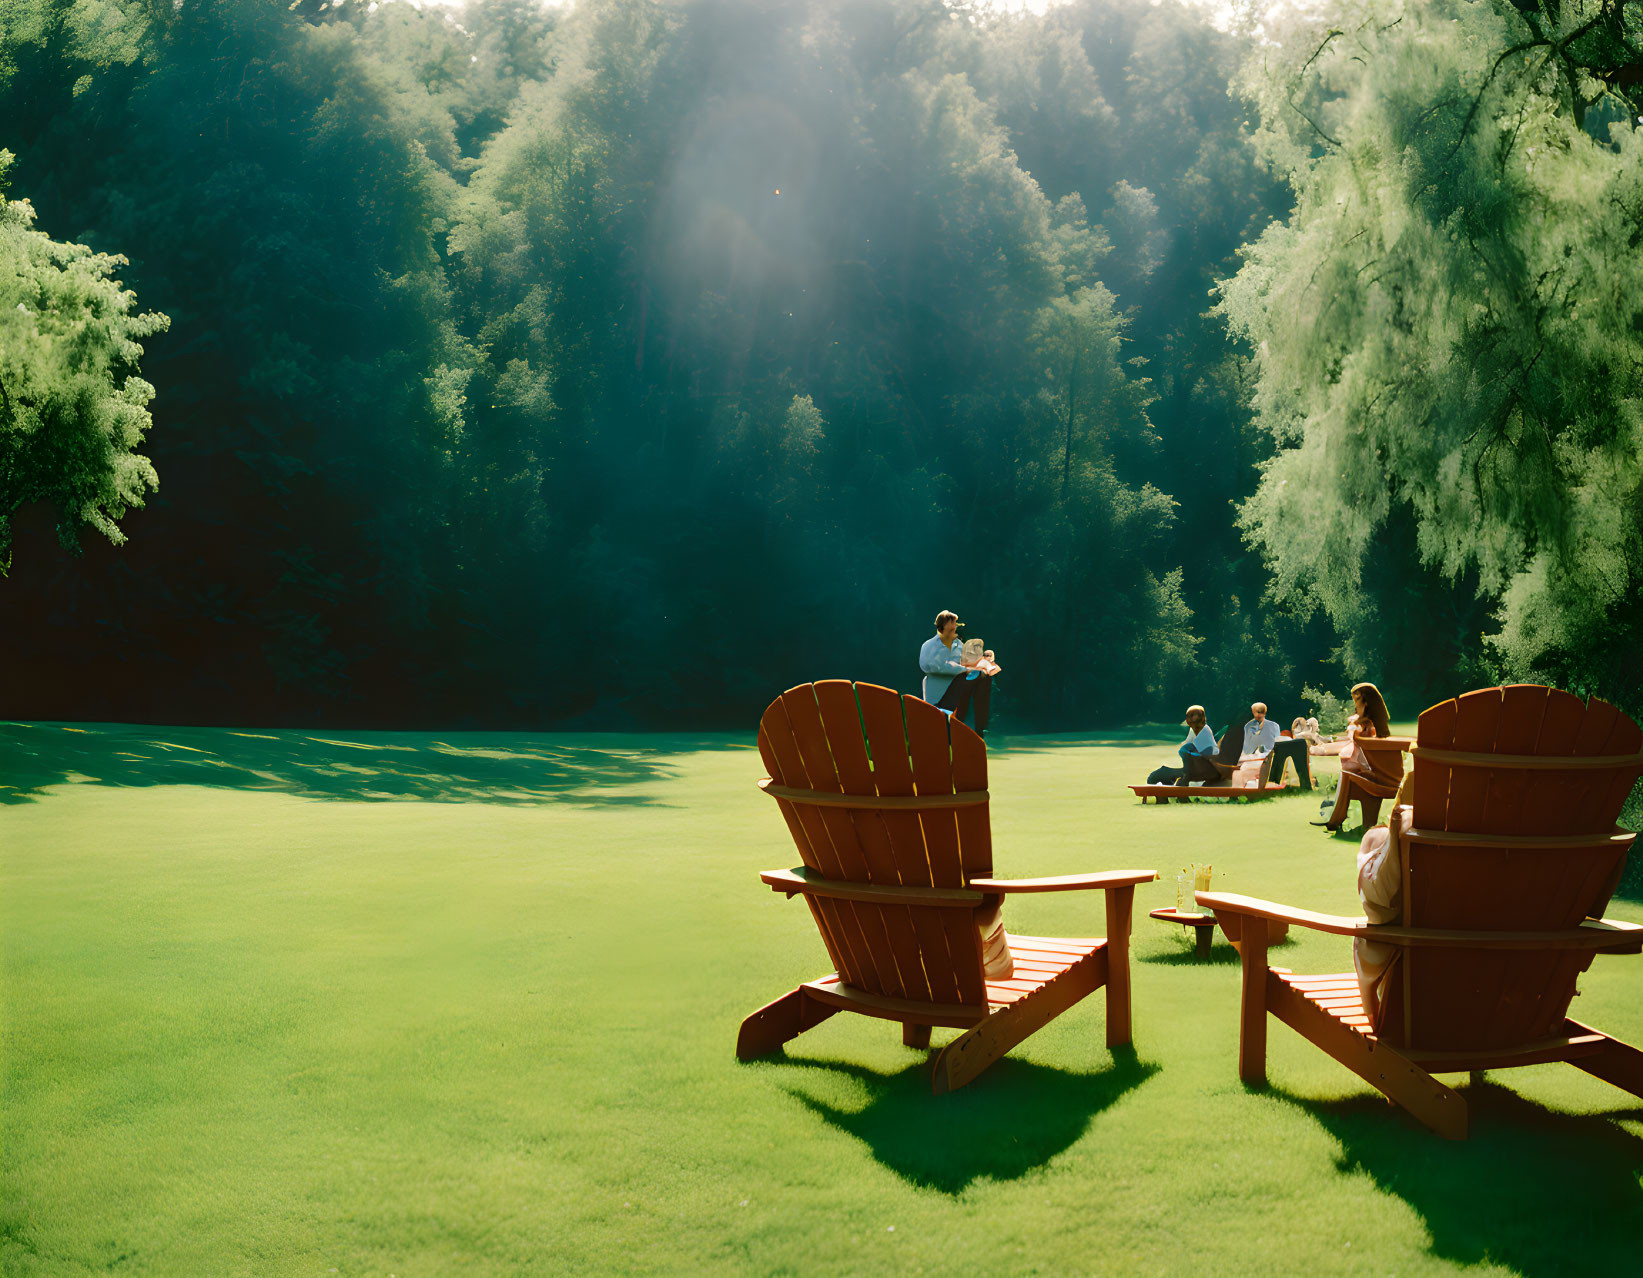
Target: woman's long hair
{"x": 1374, "y": 705}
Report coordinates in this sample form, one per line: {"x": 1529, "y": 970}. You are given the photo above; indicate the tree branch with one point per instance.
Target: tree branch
{"x": 1477, "y": 101}
{"x": 1300, "y": 76}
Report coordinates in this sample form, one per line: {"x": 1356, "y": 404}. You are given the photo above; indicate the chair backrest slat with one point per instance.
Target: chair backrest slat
{"x": 933, "y": 774}
{"x": 1516, "y": 731}
{"x": 804, "y": 715}
{"x": 1475, "y": 719}
{"x": 876, "y": 924}
{"x": 881, "y": 714}
{"x": 787, "y": 768}
{"x": 940, "y": 972}
{"x": 846, "y": 946}
{"x": 964, "y": 945}
{"x": 902, "y": 940}
{"x": 975, "y": 826}
{"x": 1625, "y": 738}
{"x": 1476, "y": 1000}
{"x": 836, "y": 699}
{"x": 837, "y": 950}
{"x": 1549, "y": 796}
{"x": 835, "y": 737}
{"x": 791, "y": 813}
{"x": 1437, "y": 729}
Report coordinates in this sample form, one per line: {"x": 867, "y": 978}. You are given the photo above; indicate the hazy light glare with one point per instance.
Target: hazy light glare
{"x": 1221, "y": 9}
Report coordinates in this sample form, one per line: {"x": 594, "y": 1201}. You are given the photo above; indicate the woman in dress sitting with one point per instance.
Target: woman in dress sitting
{"x": 1368, "y": 775}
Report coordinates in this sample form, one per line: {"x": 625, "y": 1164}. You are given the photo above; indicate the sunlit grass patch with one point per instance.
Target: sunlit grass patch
{"x": 279, "y": 1032}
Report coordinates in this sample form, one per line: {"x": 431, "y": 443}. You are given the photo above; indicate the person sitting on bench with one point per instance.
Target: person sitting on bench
{"x": 1264, "y": 747}
{"x": 1200, "y": 758}
{"x": 949, "y": 684}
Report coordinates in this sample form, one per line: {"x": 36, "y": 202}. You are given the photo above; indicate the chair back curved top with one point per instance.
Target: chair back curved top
{"x": 1516, "y": 792}
{"x": 831, "y": 740}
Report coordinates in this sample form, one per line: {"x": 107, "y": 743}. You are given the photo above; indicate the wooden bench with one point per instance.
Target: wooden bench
{"x": 1163, "y": 792}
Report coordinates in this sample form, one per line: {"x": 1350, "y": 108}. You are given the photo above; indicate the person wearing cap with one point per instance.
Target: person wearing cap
{"x": 945, "y": 685}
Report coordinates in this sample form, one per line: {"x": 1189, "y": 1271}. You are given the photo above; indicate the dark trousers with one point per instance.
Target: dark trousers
{"x": 1296, "y": 752}
{"x": 963, "y": 693}
{"x": 1197, "y": 767}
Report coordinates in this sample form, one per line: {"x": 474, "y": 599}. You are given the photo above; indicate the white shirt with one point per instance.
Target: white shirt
{"x": 1259, "y": 738}
{"x": 941, "y": 664}
{"x": 1202, "y": 741}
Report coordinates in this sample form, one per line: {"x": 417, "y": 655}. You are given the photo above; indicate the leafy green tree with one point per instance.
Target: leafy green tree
{"x": 273, "y": 202}
{"x": 510, "y": 343}
{"x": 1448, "y": 327}
{"x": 73, "y": 411}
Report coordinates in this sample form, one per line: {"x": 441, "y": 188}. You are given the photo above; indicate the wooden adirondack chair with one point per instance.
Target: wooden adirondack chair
{"x": 1512, "y": 857}
{"x": 886, "y": 798}
{"x": 1369, "y": 794}
{"x": 1223, "y": 764}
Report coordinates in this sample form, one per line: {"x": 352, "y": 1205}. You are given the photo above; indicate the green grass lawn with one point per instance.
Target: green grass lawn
{"x": 281, "y": 1003}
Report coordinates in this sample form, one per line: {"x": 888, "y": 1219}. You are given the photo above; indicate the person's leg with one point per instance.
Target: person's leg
{"x": 1296, "y": 752}
{"x": 957, "y": 697}
{"x": 1201, "y": 769}
{"x": 982, "y": 700}
{"x": 1164, "y": 776}
{"x": 1343, "y": 798}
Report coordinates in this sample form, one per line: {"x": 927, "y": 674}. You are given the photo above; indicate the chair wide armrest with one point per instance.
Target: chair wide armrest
{"x": 1229, "y": 903}
{"x": 801, "y": 879}
{"x": 1607, "y": 934}
{"x": 1067, "y": 882}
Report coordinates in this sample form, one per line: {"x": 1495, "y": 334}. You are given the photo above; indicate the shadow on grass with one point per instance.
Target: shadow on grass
{"x": 1049, "y": 744}
{"x": 1014, "y": 1118}
{"x": 1533, "y": 1190}
{"x": 441, "y": 768}
{"x": 1221, "y": 953}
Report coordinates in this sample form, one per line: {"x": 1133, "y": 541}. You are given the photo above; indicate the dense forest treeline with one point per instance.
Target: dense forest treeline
{"x": 621, "y": 365}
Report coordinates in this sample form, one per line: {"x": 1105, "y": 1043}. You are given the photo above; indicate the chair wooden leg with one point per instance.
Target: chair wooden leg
{"x": 774, "y": 1023}
{"x": 1252, "y": 1007}
{"x": 1400, "y": 1080}
{"x": 1343, "y": 801}
{"x": 915, "y": 1035}
{"x": 1120, "y": 906}
{"x": 1618, "y": 1063}
{"x": 966, "y": 1056}
{"x": 1371, "y": 805}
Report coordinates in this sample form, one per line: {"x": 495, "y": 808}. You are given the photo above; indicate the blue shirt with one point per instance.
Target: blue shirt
{"x": 1200, "y": 742}
{"x": 1259, "y": 738}
{"x": 941, "y": 665}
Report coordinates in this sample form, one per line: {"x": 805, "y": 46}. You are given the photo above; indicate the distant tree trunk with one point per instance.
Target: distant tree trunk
{"x": 1067, "y": 452}
{"x": 1066, "y": 519}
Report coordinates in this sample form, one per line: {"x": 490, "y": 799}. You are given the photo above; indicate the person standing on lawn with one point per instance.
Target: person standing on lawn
{"x": 945, "y": 683}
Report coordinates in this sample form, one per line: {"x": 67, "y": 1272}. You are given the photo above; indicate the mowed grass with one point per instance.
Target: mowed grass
{"x": 286, "y": 1003}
